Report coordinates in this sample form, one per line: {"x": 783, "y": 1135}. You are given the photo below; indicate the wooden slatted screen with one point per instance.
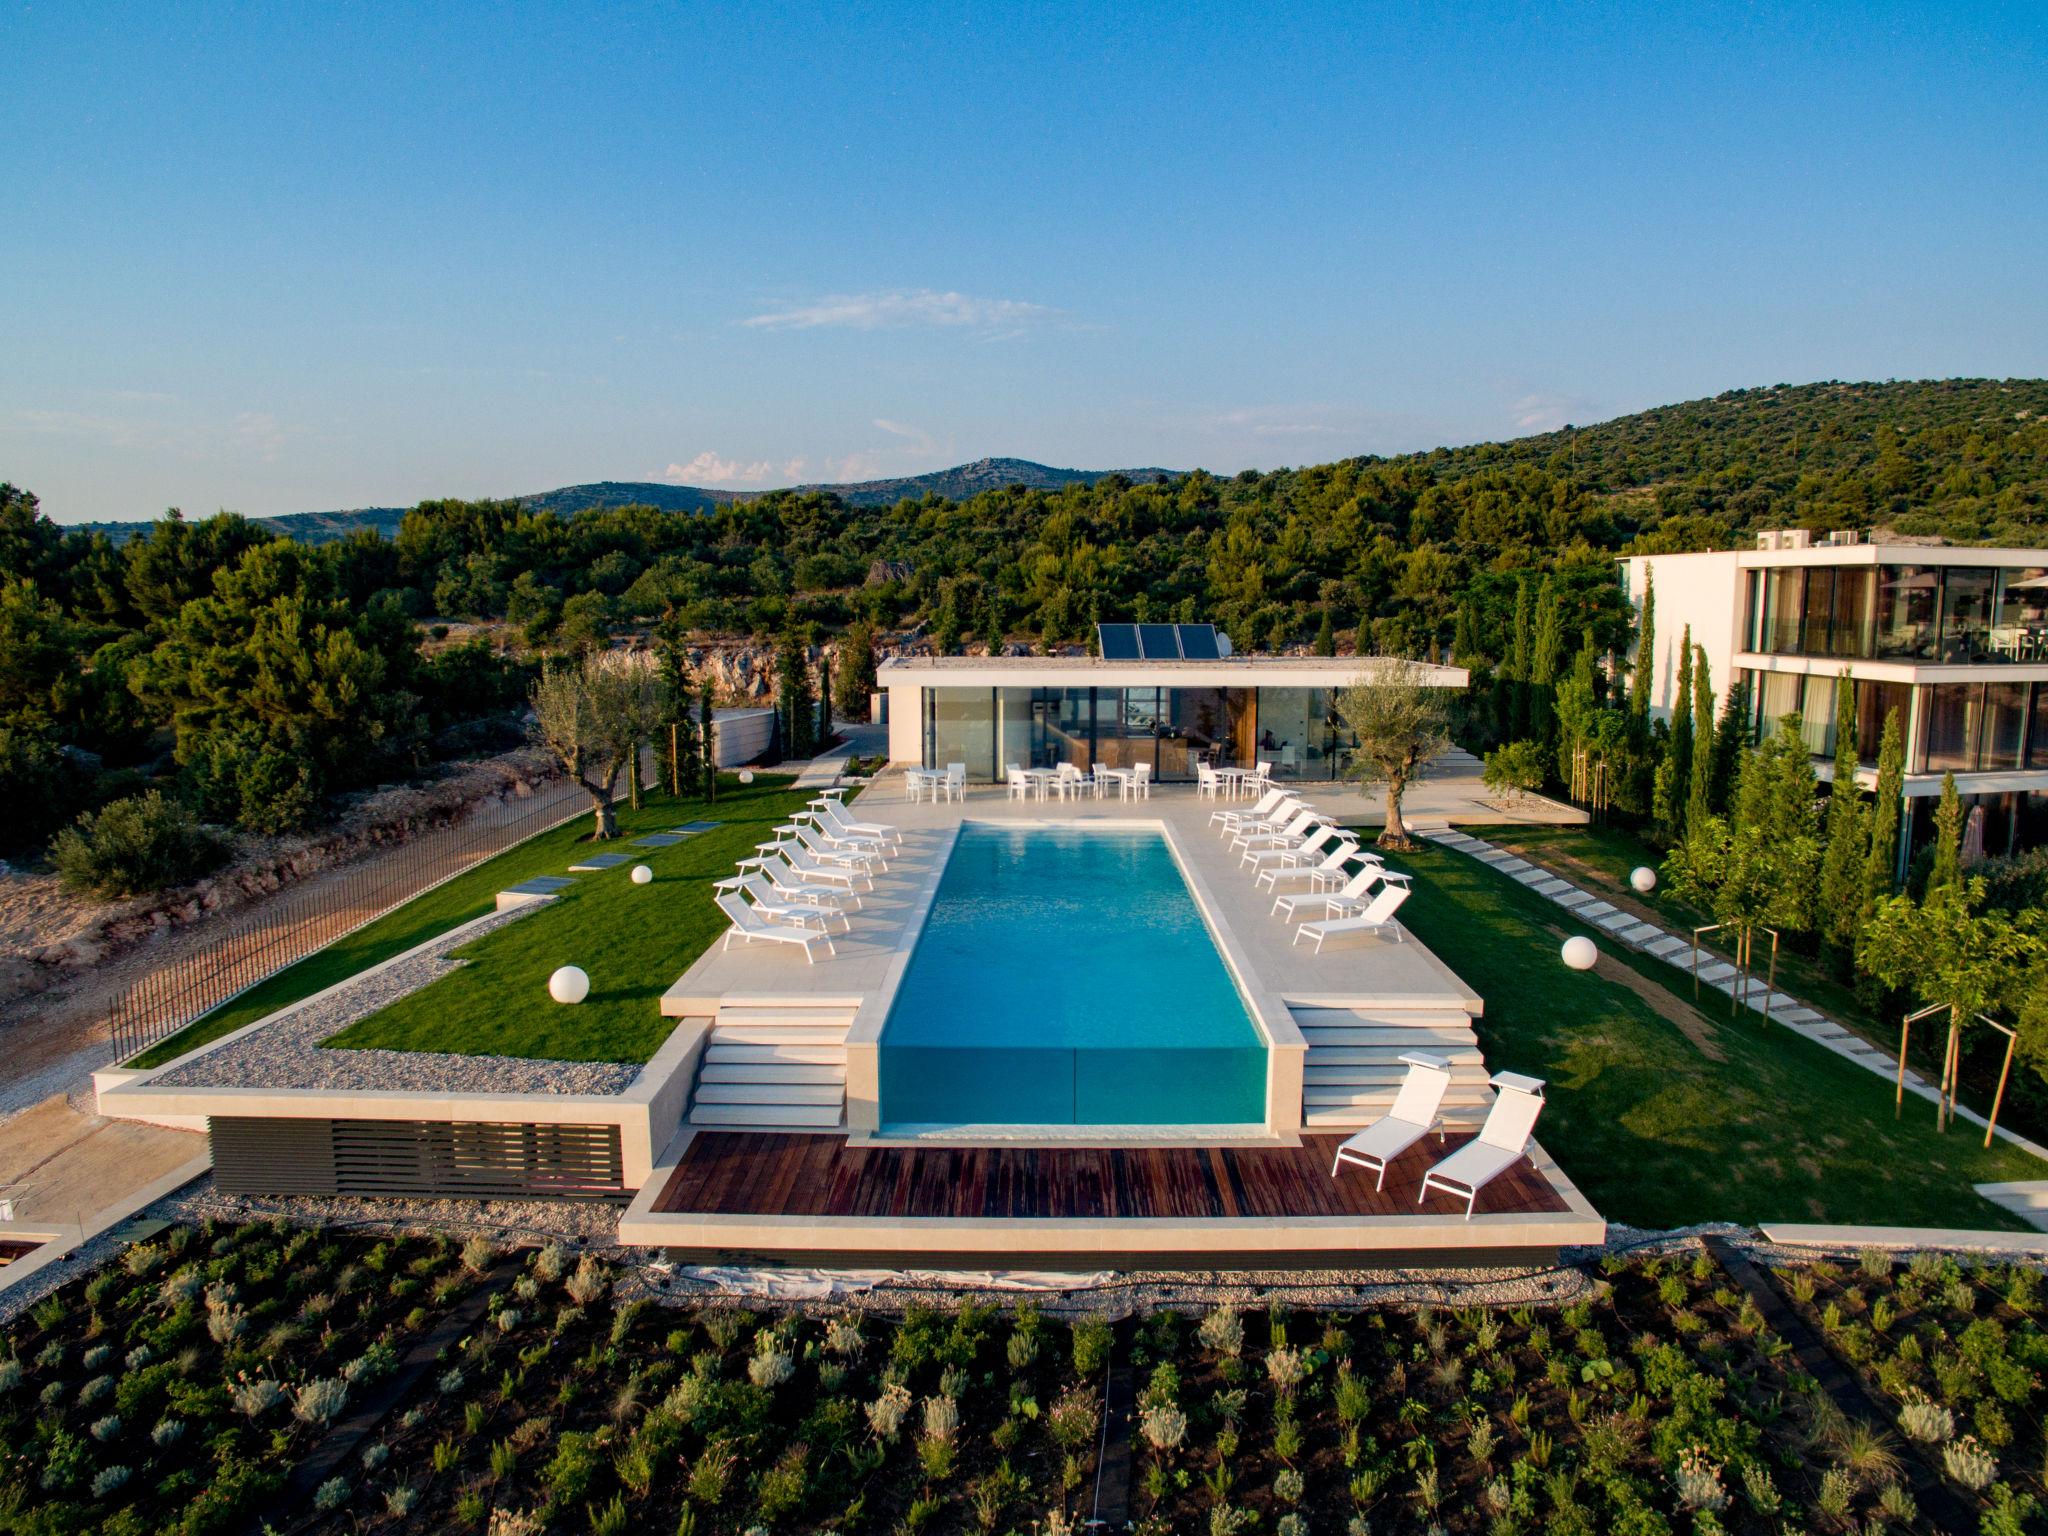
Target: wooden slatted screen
{"x": 418, "y": 1157}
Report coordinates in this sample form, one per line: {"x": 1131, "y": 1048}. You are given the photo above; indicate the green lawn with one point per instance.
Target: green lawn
{"x": 1665, "y": 1114}
{"x": 679, "y": 894}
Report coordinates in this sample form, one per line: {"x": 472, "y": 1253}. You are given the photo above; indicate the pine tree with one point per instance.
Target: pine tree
{"x": 1546, "y": 661}
{"x": 1646, "y": 654}
{"x": 1700, "y": 780}
{"x": 1465, "y": 650}
{"x": 1520, "y": 646}
{"x": 1326, "y": 637}
{"x": 1848, "y": 834}
{"x": 853, "y": 685}
{"x": 1671, "y": 794}
{"x": 1881, "y": 857}
{"x": 707, "y": 739}
{"x": 1946, "y": 876}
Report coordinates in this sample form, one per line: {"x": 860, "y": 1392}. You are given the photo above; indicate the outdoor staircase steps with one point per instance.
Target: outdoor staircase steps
{"x": 774, "y": 1064}
{"x": 1353, "y": 1068}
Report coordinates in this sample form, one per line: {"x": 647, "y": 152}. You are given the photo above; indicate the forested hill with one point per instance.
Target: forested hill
{"x": 257, "y": 674}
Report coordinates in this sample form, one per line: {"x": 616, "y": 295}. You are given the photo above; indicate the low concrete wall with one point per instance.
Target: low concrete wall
{"x": 741, "y": 735}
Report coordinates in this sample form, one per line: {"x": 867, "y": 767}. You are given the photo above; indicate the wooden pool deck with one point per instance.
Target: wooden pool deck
{"x": 732, "y": 1196}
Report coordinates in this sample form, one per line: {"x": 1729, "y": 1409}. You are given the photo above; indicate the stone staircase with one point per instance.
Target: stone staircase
{"x": 774, "y": 1066}
{"x": 1353, "y": 1068}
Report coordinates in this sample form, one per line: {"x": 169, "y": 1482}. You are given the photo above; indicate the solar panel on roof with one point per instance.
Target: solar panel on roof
{"x": 1198, "y": 642}
{"x": 1117, "y": 642}
{"x": 1160, "y": 641}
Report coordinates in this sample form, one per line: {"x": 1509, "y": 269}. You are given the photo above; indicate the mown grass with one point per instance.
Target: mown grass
{"x": 473, "y": 893}
{"x": 1665, "y": 1114}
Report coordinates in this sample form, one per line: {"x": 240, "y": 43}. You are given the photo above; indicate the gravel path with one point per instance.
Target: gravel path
{"x": 286, "y": 1053}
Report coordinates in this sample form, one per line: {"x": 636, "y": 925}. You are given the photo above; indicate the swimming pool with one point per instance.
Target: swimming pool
{"x": 1066, "y": 977}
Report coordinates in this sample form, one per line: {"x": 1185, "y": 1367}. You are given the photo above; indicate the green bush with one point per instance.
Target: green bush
{"x": 143, "y": 843}
{"x": 36, "y": 786}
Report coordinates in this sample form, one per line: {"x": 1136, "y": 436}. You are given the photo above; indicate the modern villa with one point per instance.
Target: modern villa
{"x": 1954, "y": 639}
{"x": 1165, "y": 696}
{"x": 1090, "y": 1015}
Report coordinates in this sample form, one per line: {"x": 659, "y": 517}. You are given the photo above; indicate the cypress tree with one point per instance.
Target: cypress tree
{"x": 1700, "y": 779}
{"x": 1326, "y": 637}
{"x": 1848, "y": 834}
{"x": 1881, "y": 857}
{"x": 1465, "y": 637}
{"x": 1520, "y": 646}
{"x": 1731, "y": 739}
{"x": 1646, "y": 654}
{"x": 793, "y": 693}
{"x": 1946, "y": 877}
{"x": 707, "y": 737}
{"x": 1670, "y": 794}
{"x": 1546, "y": 662}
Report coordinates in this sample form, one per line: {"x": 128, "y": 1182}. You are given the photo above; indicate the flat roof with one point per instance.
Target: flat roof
{"x": 1860, "y": 554}
{"x": 1077, "y": 671}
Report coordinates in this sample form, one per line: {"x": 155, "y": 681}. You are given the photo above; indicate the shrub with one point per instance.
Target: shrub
{"x": 1514, "y": 770}
{"x": 1969, "y": 1464}
{"x": 109, "y": 1481}
{"x": 320, "y": 1400}
{"x": 1092, "y": 1339}
{"x": 589, "y": 1283}
{"x": 330, "y": 1495}
{"x": 886, "y": 1413}
{"x": 1163, "y": 1425}
{"x": 256, "y": 1397}
{"x": 1925, "y": 1420}
{"x": 1222, "y": 1332}
{"x": 477, "y": 1255}
{"x": 132, "y": 846}
{"x": 1072, "y": 1420}
{"x": 1699, "y": 1481}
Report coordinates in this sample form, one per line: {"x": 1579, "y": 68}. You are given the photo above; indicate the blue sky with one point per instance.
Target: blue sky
{"x": 284, "y": 258}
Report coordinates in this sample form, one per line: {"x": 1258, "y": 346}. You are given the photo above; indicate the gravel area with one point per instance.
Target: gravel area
{"x": 286, "y": 1053}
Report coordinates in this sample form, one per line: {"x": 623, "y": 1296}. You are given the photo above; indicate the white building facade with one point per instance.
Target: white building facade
{"x": 1039, "y": 711}
{"x": 1956, "y": 640}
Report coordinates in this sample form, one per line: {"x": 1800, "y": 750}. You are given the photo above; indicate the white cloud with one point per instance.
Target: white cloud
{"x": 707, "y": 468}
{"x": 895, "y": 309}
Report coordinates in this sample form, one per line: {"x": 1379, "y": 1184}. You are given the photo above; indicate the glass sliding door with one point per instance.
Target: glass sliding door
{"x": 1966, "y": 612}
{"x": 2005, "y": 726}
{"x": 1955, "y": 717}
{"x": 959, "y": 727}
{"x": 1874, "y": 701}
{"x": 1127, "y": 727}
{"x": 1907, "y": 610}
{"x": 1018, "y": 732}
{"x": 1784, "y": 609}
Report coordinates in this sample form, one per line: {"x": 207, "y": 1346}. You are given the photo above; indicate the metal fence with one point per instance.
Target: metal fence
{"x": 250, "y": 947}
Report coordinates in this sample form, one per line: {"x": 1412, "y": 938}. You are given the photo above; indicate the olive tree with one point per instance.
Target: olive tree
{"x": 593, "y": 715}
{"x": 1402, "y": 720}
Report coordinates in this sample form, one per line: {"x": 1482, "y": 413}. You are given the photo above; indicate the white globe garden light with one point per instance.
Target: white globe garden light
{"x": 746, "y": 775}
{"x": 642, "y": 874}
{"x": 569, "y": 985}
{"x": 1579, "y": 952}
{"x": 1644, "y": 879}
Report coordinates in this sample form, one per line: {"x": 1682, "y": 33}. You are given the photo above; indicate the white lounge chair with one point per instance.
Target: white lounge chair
{"x": 830, "y": 816}
{"x": 750, "y": 925}
{"x": 1314, "y": 875}
{"x": 792, "y": 888}
{"x": 1231, "y": 820}
{"x": 1265, "y": 834}
{"x": 792, "y": 885}
{"x": 765, "y": 900}
{"x": 1377, "y": 916}
{"x": 1417, "y": 1111}
{"x": 835, "y": 812}
{"x": 837, "y": 838}
{"x": 1501, "y": 1143}
{"x": 1304, "y": 850}
{"x": 812, "y": 868}
{"x": 827, "y": 851}
{"x": 1294, "y": 905}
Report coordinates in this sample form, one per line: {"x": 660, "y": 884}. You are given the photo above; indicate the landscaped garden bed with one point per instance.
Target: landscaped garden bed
{"x": 175, "y": 1389}
{"x": 1956, "y": 1355}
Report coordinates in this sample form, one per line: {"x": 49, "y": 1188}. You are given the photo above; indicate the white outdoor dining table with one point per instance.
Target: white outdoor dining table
{"x": 1234, "y": 779}
{"x": 917, "y": 779}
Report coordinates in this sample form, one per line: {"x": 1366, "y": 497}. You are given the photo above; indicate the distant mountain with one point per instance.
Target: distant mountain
{"x": 956, "y": 484}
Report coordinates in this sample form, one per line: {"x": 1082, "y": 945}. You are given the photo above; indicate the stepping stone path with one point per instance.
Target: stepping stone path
{"x": 692, "y": 828}
{"x": 658, "y": 840}
{"x": 540, "y": 885}
{"x": 1677, "y": 950}
{"x": 595, "y": 861}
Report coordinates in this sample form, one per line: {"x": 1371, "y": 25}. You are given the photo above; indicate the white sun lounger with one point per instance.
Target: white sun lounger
{"x": 1501, "y": 1143}
{"x": 816, "y": 830}
{"x": 1281, "y": 855}
{"x": 1380, "y": 914}
{"x": 834, "y": 811}
{"x": 791, "y": 885}
{"x": 826, "y": 852}
{"x": 750, "y": 925}
{"x": 1292, "y": 906}
{"x": 1231, "y": 820}
{"x": 1325, "y": 872}
{"x": 1416, "y": 1112}
{"x": 1268, "y": 834}
{"x": 820, "y": 871}
{"x": 771, "y": 904}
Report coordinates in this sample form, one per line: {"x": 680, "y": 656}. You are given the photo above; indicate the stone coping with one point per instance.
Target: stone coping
{"x": 1818, "y": 1235}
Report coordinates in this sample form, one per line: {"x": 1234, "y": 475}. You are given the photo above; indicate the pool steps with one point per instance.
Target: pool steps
{"x": 1353, "y": 1067}
{"x": 774, "y": 1065}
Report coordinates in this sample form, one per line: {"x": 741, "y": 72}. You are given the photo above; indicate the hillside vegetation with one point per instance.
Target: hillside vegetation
{"x": 256, "y": 675}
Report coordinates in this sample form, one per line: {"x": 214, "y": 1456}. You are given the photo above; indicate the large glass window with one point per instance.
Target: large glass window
{"x": 1849, "y": 623}
{"x": 1820, "y": 611}
{"x": 1907, "y": 610}
{"x": 2037, "y": 737}
{"x": 1070, "y": 727}
{"x": 1955, "y": 715}
{"x": 1293, "y": 732}
{"x": 1966, "y": 608}
{"x": 1778, "y": 694}
{"x": 1874, "y": 701}
{"x": 2005, "y": 725}
{"x": 1784, "y": 609}
{"x": 960, "y": 728}
{"x": 1018, "y": 738}
{"x": 2019, "y": 630}
{"x": 1127, "y": 727}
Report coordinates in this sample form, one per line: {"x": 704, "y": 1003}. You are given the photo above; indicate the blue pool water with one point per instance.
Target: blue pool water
{"x": 1066, "y": 977}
